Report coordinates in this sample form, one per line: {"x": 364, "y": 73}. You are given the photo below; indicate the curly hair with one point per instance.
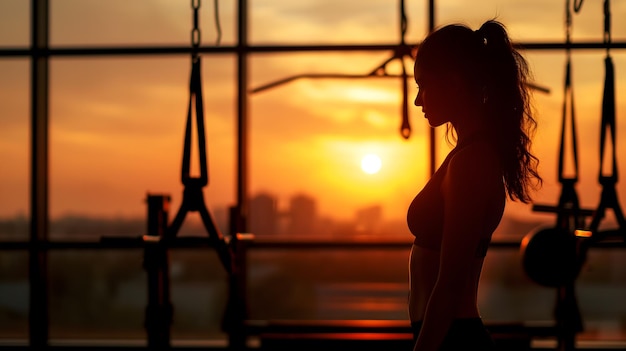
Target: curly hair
{"x": 498, "y": 75}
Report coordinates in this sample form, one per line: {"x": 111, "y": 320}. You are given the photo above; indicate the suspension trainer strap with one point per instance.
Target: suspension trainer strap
{"x": 195, "y": 101}
{"x": 608, "y": 123}
{"x": 405, "y": 127}
{"x": 608, "y": 197}
{"x": 568, "y": 209}
{"x": 608, "y": 102}
{"x": 568, "y": 99}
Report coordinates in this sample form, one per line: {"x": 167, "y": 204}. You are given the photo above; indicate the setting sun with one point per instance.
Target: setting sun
{"x": 371, "y": 163}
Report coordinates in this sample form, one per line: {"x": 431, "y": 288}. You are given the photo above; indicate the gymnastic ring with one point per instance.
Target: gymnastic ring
{"x": 550, "y": 256}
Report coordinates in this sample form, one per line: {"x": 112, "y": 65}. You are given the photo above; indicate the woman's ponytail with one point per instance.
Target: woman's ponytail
{"x": 506, "y": 74}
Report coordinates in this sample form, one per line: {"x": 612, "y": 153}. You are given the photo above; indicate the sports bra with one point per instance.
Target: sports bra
{"x": 425, "y": 214}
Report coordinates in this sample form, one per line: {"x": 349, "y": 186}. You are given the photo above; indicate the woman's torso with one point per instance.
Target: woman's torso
{"x": 425, "y": 219}
{"x": 423, "y": 271}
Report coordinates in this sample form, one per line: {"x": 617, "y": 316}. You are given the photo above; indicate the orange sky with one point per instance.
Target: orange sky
{"x": 116, "y": 123}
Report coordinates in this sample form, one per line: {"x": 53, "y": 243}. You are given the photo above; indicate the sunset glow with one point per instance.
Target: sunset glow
{"x": 117, "y": 122}
{"x": 371, "y": 163}
{"x": 315, "y": 150}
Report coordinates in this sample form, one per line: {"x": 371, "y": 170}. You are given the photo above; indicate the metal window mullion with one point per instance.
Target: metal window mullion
{"x": 241, "y": 213}
{"x": 431, "y": 132}
{"x": 38, "y": 275}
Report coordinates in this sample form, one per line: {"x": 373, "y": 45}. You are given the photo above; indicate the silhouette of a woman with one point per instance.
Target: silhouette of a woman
{"x": 475, "y": 83}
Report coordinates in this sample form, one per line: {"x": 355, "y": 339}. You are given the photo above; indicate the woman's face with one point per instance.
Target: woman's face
{"x": 437, "y": 95}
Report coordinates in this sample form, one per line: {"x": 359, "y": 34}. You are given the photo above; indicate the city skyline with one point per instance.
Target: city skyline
{"x": 297, "y": 216}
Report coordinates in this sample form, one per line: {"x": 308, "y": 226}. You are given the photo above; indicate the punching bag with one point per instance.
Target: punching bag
{"x": 549, "y": 256}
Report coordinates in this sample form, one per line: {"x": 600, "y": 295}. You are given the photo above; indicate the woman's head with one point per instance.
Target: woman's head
{"x": 445, "y": 71}
{"x": 477, "y": 78}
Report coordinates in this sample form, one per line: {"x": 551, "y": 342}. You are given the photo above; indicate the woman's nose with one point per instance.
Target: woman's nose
{"x": 418, "y": 99}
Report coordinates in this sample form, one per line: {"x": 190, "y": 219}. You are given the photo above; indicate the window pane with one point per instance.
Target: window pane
{"x": 117, "y": 130}
{"x": 328, "y": 22}
{"x": 308, "y": 139}
{"x": 600, "y": 292}
{"x": 14, "y": 149}
{"x": 104, "y": 294}
{"x": 14, "y": 293}
{"x": 535, "y": 20}
{"x": 146, "y": 22}
{"x": 14, "y": 23}
{"x": 588, "y": 86}
{"x": 96, "y": 294}
{"x": 325, "y": 284}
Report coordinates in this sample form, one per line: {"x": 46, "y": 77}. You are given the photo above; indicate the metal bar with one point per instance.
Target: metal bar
{"x": 159, "y": 311}
{"x": 432, "y": 132}
{"x": 38, "y": 275}
{"x": 202, "y": 243}
{"x": 260, "y": 49}
{"x": 241, "y": 213}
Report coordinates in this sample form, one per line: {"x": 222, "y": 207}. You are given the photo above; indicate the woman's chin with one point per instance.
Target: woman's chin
{"x": 434, "y": 123}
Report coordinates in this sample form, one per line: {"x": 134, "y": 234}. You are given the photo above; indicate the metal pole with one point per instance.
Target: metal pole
{"x": 432, "y": 135}
{"x": 38, "y": 308}
{"x": 159, "y": 312}
{"x": 237, "y": 310}
{"x": 240, "y": 220}
{"x": 102, "y": 51}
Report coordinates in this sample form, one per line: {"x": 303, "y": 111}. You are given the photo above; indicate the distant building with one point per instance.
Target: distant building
{"x": 302, "y": 215}
{"x": 369, "y": 219}
{"x": 263, "y": 215}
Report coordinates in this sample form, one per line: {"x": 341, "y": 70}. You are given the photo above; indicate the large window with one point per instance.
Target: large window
{"x": 116, "y": 127}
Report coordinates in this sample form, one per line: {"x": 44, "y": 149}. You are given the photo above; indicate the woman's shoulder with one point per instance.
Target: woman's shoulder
{"x": 474, "y": 176}
{"x": 476, "y": 151}
{"x": 478, "y": 159}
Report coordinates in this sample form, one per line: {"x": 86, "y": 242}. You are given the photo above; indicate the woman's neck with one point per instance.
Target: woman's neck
{"x": 469, "y": 132}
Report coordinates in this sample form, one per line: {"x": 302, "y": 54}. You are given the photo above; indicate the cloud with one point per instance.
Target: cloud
{"x": 324, "y": 22}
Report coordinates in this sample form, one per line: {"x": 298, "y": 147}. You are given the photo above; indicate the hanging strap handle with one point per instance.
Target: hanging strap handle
{"x": 568, "y": 99}
{"x": 195, "y": 95}
{"x": 608, "y": 123}
{"x": 608, "y": 103}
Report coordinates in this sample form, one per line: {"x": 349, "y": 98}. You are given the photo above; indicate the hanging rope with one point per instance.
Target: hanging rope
{"x": 607, "y": 25}
{"x": 195, "y": 31}
{"x": 405, "y": 128}
{"x": 568, "y": 96}
{"x": 218, "y": 26}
